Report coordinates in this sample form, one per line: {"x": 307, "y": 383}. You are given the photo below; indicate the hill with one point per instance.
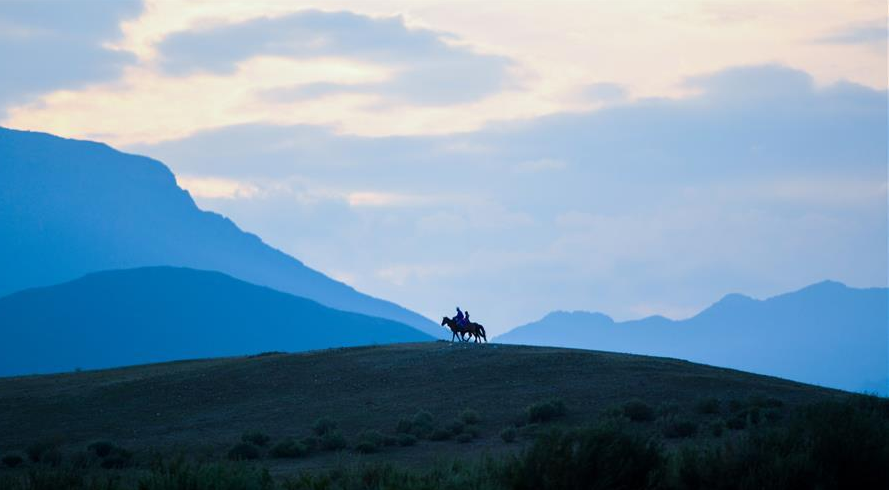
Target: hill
{"x": 204, "y": 406}
{"x": 826, "y": 334}
{"x": 159, "y": 314}
{"x": 68, "y": 208}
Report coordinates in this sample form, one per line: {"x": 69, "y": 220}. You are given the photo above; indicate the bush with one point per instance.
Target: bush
{"x": 594, "y": 458}
{"x": 37, "y": 451}
{"x": 289, "y": 448}
{"x": 676, "y": 429}
{"x": 440, "y": 435}
{"x": 422, "y": 424}
{"x": 464, "y": 438}
{"x": 665, "y": 410}
{"x": 324, "y": 426}
{"x": 389, "y": 440}
{"x": 52, "y": 457}
{"x": 717, "y": 427}
{"x": 404, "y": 426}
{"x": 369, "y": 441}
{"x": 243, "y": 451}
{"x": 311, "y": 442}
{"x": 638, "y": 411}
{"x": 738, "y": 422}
{"x": 735, "y": 405}
{"x": 257, "y": 438}
{"x": 333, "y": 441}
{"x": 508, "y": 434}
{"x": 118, "y": 458}
{"x": 470, "y": 417}
{"x": 456, "y": 427}
{"x": 708, "y": 406}
{"x": 12, "y": 460}
{"x": 545, "y": 411}
{"x": 101, "y": 448}
{"x": 406, "y": 440}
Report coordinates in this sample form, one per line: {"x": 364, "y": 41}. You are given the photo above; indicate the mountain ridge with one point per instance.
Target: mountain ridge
{"x": 69, "y": 207}
{"x": 154, "y": 314}
{"x": 825, "y": 333}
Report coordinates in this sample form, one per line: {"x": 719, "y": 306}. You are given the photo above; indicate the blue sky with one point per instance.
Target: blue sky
{"x": 528, "y": 159}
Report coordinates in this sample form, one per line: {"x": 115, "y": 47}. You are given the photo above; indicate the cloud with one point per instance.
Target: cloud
{"x": 430, "y": 68}
{"x": 216, "y": 188}
{"x": 47, "y": 45}
{"x": 874, "y": 33}
{"x": 604, "y": 92}
{"x": 760, "y": 181}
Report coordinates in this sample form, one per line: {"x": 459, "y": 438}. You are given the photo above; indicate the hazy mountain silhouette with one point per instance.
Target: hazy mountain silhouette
{"x": 69, "y": 207}
{"x": 157, "y": 314}
{"x": 826, "y": 334}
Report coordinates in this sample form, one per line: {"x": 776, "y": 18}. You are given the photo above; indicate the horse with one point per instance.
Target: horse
{"x": 455, "y": 327}
{"x": 472, "y": 328}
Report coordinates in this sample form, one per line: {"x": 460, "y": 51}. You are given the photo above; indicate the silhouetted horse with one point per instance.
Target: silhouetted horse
{"x": 472, "y": 328}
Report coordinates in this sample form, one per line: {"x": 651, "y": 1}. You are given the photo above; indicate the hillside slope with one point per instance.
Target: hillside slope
{"x": 206, "y": 405}
{"x": 159, "y": 314}
{"x": 827, "y": 334}
{"x": 68, "y": 208}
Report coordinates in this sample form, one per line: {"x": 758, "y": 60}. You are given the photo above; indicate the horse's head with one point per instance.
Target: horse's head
{"x": 444, "y": 320}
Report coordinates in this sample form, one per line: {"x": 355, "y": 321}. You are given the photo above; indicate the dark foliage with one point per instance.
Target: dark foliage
{"x": 243, "y": 451}
{"x": 545, "y": 411}
{"x": 12, "y": 460}
{"x": 638, "y": 411}
{"x": 323, "y": 426}
{"x": 289, "y": 448}
{"x": 407, "y": 439}
{"x": 369, "y": 441}
{"x": 44, "y": 451}
{"x": 708, "y": 406}
{"x": 508, "y": 434}
{"x": 679, "y": 428}
{"x": 333, "y": 440}
{"x": 470, "y": 417}
{"x": 464, "y": 438}
{"x": 256, "y": 437}
{"x": 101, "y": 448}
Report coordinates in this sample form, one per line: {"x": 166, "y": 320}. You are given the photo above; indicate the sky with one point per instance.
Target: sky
{"x": 512, "y": 158}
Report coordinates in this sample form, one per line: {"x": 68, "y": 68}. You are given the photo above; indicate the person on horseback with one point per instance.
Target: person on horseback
{"x": 466, "y": 317}
{"x": 460, "y": 319}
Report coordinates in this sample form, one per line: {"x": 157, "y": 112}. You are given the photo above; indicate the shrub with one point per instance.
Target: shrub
{"x": 707, "y": 406}
{"x": 101, "y": 448}
{"x": 118, "y": 458}
{"x": 404, "y": 426}
{"x": 243, "y": 451}
{"x": 36, "y": 451}
{"x": 717, "y": 427}
{"x": 508, "y": 434}
{"x": 389, "y": 440}
{"x": 597, "y": 458}
{"x": 676, "y": 429}
{"x": 406, "y": 440}
{"x": 738, "y": 422}
{"x": 422, "y": 424}
{"x": 440, "y": 435}
{"x": 324, "y": 426}
{"x": 464, "y": 438}
{"x": 545, "y": 411}
{"x": 664, "y": 410}
{"x": 311, "y": 442}
{"x": 52, "y": 457}
{"x": 333, "y": 441}
{"x": 289, "y": 448}
{"x": 256, "y": 438}
{"x": 456, "y": 427}
{"x": 470, "y": 417}
{"x": 773, "y": 414}
{"x": 369, "y": 441}
{"x": 12, "y": 460}
{"x": 735, "y": 405}
{"x": 638, "y": 411}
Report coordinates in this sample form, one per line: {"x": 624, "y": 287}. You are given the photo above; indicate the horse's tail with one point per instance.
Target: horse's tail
{"x": 482, "y": 330}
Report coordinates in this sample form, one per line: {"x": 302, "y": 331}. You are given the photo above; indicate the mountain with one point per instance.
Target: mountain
{"x": 158, "y": 314}
{"x": 826, "y": 334}
{"x": 69, "y": 207}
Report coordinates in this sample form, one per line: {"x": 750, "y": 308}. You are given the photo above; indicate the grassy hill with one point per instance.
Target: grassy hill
{"x": 203, "y": 407}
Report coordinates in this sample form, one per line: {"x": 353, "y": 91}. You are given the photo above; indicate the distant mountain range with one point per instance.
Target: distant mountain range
{"x": 158, "y": 314}
{"x": 69, "y": 208}
{"x": 826, "y": 334}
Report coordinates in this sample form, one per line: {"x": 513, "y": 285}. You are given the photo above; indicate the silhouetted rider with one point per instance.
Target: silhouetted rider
{"x": 460, "y": 318}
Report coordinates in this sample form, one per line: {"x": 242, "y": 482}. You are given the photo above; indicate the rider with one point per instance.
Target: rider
{"x": 460, "y": 318}
{"x": 466, "y": 317}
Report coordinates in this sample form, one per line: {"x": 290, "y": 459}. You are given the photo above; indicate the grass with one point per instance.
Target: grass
{"x": 203, "y": 408}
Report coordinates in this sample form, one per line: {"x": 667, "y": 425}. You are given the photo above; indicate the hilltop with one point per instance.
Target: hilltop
{"x": 203, "y": 406}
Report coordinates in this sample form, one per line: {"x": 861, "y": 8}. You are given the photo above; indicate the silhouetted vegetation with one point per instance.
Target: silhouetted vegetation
{"x": 289, "y": 448}
{"x": 470, "y": 417}
{"x": 256, "y": 437}
{"x": 407, "y": 440}
{"x": 638, "y": 411}
{"x": 509, "y": 434}
{"x": 545, "y": 411}
{"x": 333, "y": 440}
{"x": 12, "y": 460}
{"x": 708, "y": 406}
{"x": 243, "y": 451}
{"x": 101, "y": 448}
{"x": 833, "y": 445}
{"x": 323, "y": 426}
{"x": 46, "y": 451}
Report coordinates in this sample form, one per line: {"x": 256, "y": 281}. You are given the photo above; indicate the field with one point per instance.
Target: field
{"x": 201, "y": 409}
